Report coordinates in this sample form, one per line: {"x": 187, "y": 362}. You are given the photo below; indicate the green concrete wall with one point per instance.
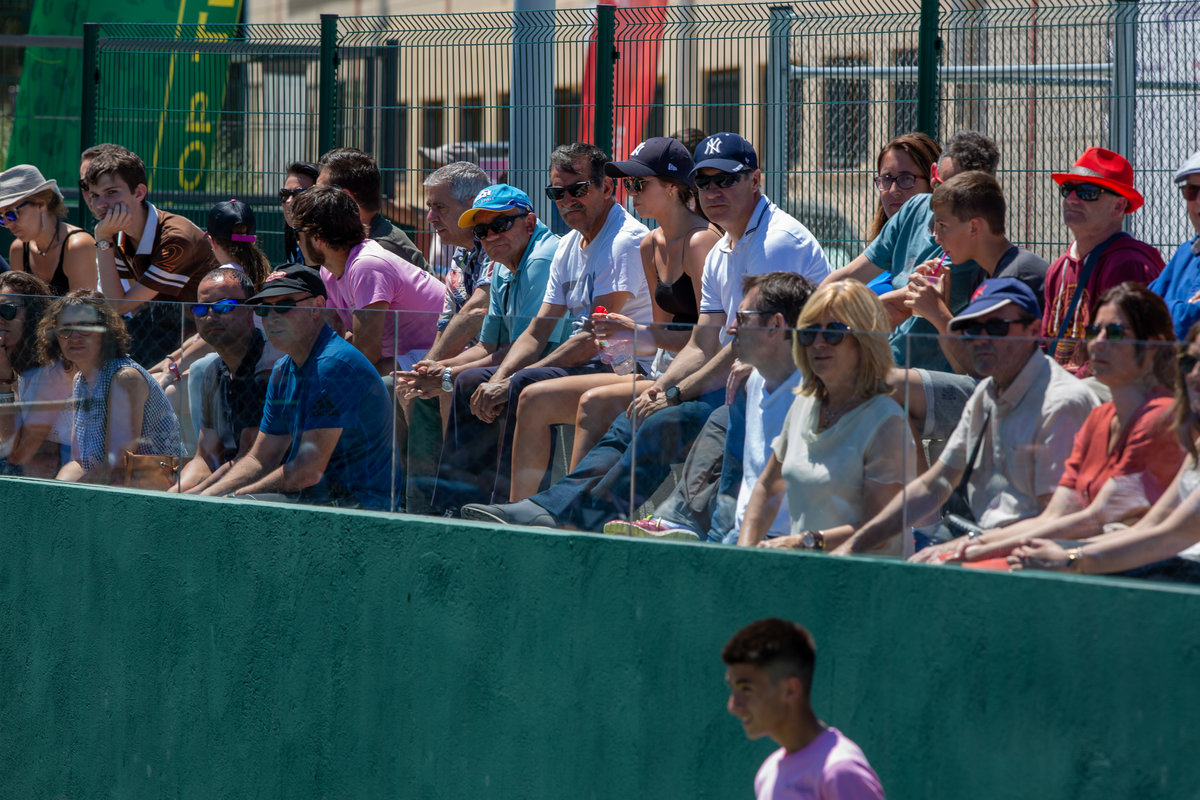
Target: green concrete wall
{"x": 163, "y": 647}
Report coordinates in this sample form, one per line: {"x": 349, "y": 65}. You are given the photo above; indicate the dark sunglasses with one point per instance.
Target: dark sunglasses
{"x": 498, "y": 225}
{"x": 264, "y": 309}
{"x": 219, "y": 307}
{"x": 1113, "y": 332}
{"x": 1087, "y": 192}
{"x": 9, "y": 311}
{"x": 905, "y": 180}
{"x": 11, "y": 214}
{"x": 1187, "y": 363}
{"x": 722, "y": 181}
{"x": 635, "y": 185}
{"x": 994, "y": 328}
{"x": 1190, "y": 191}
{"x": 284, "y": 194}
{"x": 834, "y": 334}
{"x": 575, "y": 190}
{"x": 743, "y": 317}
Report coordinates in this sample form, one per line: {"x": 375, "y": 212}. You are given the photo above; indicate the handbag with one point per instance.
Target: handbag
{"x": 150, "y": 471}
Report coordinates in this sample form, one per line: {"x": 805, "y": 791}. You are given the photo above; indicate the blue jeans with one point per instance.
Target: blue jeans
{"x": 621, "y": 472}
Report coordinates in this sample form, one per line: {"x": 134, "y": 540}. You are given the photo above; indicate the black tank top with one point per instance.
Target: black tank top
{"x": 678, "y": 299}
{"x": 58, "y": 281}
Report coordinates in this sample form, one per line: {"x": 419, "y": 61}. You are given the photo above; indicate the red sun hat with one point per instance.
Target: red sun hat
{"x": 1104, "y": 168}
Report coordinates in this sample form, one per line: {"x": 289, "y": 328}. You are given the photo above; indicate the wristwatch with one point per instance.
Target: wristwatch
{"x": 103, "y": 244}
{"x": 1074, "y": 559}
{"x": 447, "y": 381}
{"x": 672, "y": 395}
{"x": 813, "y": 540}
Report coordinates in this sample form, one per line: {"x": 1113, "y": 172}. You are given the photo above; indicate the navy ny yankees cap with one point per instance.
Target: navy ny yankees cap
{"x": 727, "y": 152}
{"x": 660, "y": 156}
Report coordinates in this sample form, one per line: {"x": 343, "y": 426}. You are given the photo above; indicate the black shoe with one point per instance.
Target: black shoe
{"x": 522, "y": 512}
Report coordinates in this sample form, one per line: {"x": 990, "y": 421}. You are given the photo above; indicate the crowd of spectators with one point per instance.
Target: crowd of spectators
{"x": 947, "y": 396}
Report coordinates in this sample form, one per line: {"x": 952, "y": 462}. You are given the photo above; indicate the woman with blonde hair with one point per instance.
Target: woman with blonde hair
{"x": 32, "y": 208}
{"x": 846, "y": 448}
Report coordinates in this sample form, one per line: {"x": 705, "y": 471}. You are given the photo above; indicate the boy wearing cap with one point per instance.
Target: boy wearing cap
{"x": 326, "y": 431}
{"x": 1097, "y": 194}
{"x": 142, "y": 253}
{"x": 1017, "y": 428}
{"x": 1179, "y": 283}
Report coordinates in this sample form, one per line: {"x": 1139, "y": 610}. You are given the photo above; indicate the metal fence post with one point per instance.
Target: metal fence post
{"x": 327, "y": 113}
{"x": 779, "y": 68}
{"x": 929, "y": 46}
{"x": 87, "y": 115}
{"x": 531, "y": 104}
{"x": 1124, "y": 77}
{"x": 606, "y": 56}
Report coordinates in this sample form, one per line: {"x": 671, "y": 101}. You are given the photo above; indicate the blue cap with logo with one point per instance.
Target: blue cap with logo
{"x": 497, "y": 197}
{"x": 727, "y": 152}
{"x": 995, "y": 294}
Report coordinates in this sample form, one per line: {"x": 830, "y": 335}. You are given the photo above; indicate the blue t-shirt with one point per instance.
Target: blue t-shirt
{"x": 515, "y": 299}
{"x": 1177, "y": 284}
{"x": 336, "y": 387}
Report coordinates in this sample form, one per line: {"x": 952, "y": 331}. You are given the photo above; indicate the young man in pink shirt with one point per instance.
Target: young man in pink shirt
{"x": 389, "y": 307}
{"x": 769, "y": 669}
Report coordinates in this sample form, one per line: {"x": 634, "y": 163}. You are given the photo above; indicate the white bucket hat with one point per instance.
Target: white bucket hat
{"x": 22, "y": 181}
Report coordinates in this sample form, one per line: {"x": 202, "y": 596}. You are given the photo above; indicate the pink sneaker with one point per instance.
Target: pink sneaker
{"x": 653, "y": 528}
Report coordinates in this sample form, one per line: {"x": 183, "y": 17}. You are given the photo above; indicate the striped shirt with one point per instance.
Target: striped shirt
{"x": 171, "y": 256}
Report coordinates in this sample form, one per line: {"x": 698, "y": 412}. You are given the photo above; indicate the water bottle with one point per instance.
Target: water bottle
{"x": 617, "y": 353}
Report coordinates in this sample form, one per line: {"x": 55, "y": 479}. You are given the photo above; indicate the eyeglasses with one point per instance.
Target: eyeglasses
{"x": 721, "y": 180}
{"x": 286, "y": 194}
{"x": 1190, "y": 191}
{"x": 743, "y": 317}
{"x": 1187, "y": 363}
{"x": 219, "y": 307}
{"x": 1087, "y": 192}
{"x": 1114, "y": 332}
{"x": 635, "y": 185}
{"x": 834, "y": 334}
{"x": 498, "y": 225}
{"x": 575, "y": 190}
{"x": 995, "y": 328}
{"x": 264, "y": 309}
{"x": 8, "y": 311}
{"x": 70, "y": 331}
{"x": 905, "y": 180}
{"x": 11, "y": 214}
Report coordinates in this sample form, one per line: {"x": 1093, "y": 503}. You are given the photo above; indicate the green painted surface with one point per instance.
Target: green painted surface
{"x": 164, "y": 647}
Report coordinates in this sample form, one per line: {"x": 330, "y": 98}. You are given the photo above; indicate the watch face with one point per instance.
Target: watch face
{"x": 809, "y": 541}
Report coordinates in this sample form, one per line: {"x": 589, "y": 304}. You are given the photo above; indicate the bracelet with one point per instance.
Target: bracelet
{"x": 103, "y": 244}
{"x": 8, "y": 381}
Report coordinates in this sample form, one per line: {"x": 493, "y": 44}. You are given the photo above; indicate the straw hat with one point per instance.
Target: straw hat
{"x": 23, "y": 181}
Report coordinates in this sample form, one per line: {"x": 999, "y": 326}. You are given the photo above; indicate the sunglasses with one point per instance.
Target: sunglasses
{"x": 11, "y": 214}
{"x": 721, "y": 181}
{"x": 575, "y": 190}
{"x": 1187, "y": 363}
{"x": 8, "y": 311}
{"x": 219, "y": 307}
{"x": 1114, "y": 332}
{"x": 635, "y": 185}
{"x": 994, "y": 328}
{"x": 905, "y": 180}
{"x": 285, "y": 194}
{"x": 68, "y": 331}
{"x": 743, "y": 317}
{"x": 834, "y": 334}
{"x": 264, "y": 309}
{"x": 1087, "y": 192}
{"x": 498, "y": 225}
{"x": 1190, "y": 191}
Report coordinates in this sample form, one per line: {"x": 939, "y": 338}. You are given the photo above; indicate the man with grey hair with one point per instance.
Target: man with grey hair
{"x": 1179, "y": 283}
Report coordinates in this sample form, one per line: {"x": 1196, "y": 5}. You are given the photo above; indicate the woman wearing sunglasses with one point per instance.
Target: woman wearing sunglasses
{"x": 673, "y": 260}
{"x": 846, "y": 448}
{"x": 35, "y": 417}
{"x": 32, "y": 208}
{"x": 1126, "y": 453}
{"x": 120, "y": 411}
{"x": 1163, "y": 544}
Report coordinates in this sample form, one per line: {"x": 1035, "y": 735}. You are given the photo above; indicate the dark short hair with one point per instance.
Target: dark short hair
{"x": 689, "y": 138}
{"x": 99, "y": 149}
{"x": 971, "y": 150}
{"x": 305, "y": 168}
{"x": 235, "y": 275}
{"x": 972, "y": 194}
{"x": 1151, "y": 321}
{"x": 778, "y": 645}
{"x": 331, "y": 214}
{"x": 565, "y": 156}
{"x": 116, "y": 336}
{"x": 35, "y": 294}
{"x": 355, "y": 171}
{"x": 781, "y": 293}
{"x": 123, "y": 163}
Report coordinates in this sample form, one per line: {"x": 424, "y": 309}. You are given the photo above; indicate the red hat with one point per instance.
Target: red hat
{"x": 1104, "y": 168}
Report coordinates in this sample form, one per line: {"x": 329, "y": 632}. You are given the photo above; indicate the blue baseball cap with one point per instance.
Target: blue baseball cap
{"x": 994, "y": 294}
{"x": 727, "y": 152}
{"x": 497, "y": 197}
{"x": 660, "y": 155}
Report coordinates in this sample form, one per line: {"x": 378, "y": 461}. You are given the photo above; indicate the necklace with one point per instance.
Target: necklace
{"x": 50, "y": 246}
{"x": 829, "y": 417}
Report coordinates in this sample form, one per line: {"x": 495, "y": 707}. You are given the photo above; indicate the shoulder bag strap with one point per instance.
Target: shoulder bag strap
{"x": 1085, "y": 274}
